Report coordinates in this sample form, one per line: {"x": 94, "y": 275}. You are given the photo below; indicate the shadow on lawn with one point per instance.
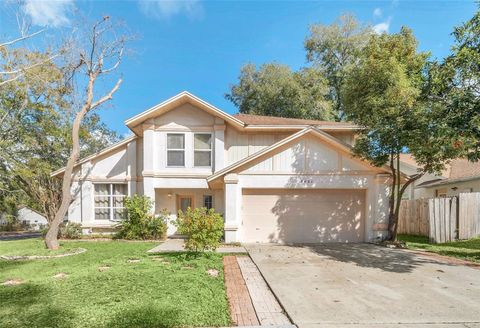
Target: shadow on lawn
{"x": 20, "y": 300}
{"x": 366, "y": 255}
{"x": 147, "y": 316}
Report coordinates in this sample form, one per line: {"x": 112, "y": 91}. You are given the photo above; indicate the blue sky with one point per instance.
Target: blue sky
{"x": 200, "y": 46}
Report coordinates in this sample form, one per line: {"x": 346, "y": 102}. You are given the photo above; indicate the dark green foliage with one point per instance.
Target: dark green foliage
{"x": 70, "y": 230}
{"x": 203, "y": 228}
{"x": 275, "y": 90}
{"x": 140, "y": 223}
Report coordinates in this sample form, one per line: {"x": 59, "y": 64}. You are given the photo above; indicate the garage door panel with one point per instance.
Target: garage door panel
{"x": 303, "y": 216}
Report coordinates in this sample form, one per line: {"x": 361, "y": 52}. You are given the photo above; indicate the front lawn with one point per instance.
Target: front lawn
{"x": 465, "y": 249}
{"x": 113, "y": 284}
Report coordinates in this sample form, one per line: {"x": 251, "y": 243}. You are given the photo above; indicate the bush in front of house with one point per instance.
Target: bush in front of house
{"x": 139, "y": 223}
{"x": 70, "y": 230}
{"x": 203, "y": 228}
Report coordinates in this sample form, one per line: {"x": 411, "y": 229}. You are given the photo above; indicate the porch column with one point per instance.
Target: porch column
{"x": 132, "y": 168}
{"x": 149, "y": 191}
{"x": 380, "y": 224}
{"x": 149, "y": 148}
{"x": 219, "y": 147}
{"x": 233, "y": 200}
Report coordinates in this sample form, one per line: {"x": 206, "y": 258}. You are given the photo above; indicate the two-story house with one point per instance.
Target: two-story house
{"x": 273, "y": 179}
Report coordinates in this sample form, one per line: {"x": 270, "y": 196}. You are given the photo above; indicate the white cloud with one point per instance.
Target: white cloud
{"x": 164, "y": 9}
{"x": 48, "y": 12}
{"x": 382, "y": 27}
{"x": 377, "y": 12}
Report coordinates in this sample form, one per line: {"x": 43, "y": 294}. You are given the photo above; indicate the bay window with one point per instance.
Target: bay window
{"x": 108, "y": 201}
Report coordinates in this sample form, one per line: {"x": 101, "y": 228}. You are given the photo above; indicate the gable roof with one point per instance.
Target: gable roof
{"x": 309, "y": 130}
{"x": 460, "y": 169}
{"x": 180, "y": 99}
{"x": 282, "y": 121}
{"x": 245, "y": 121}
{"x": 97, "y": 154}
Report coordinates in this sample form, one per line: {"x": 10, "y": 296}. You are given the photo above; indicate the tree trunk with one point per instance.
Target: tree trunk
{"x": 392, "y": 197}
{"x": 51, "y": 238}
{"x": 399, "y": 202}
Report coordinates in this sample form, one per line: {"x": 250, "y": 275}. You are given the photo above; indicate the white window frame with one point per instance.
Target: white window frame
{"x": 176, "y": 149}
{"x": 203, "y": 150}
{"x": 111, "y": 196}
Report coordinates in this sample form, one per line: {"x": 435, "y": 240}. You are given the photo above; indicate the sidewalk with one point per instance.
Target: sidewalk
{"x": 177, "y": 245}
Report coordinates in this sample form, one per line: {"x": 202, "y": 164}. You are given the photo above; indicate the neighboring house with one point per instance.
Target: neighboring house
{"x": 462, "y": 176}
{"x": 32, "y": 218}
{"x": 273, "y": 179}
{"x": 29, "y": 217}
{"x": 409, "y": 166}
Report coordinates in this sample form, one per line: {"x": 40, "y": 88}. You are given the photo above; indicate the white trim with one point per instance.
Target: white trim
{"x": 186, "y": 96}
{"x": 323, "y": 135}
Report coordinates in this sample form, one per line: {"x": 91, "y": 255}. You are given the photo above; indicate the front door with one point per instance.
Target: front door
{"x": 184, "y": 202}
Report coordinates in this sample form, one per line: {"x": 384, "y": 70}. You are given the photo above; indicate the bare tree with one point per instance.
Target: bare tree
{"x": 100, "y": 56}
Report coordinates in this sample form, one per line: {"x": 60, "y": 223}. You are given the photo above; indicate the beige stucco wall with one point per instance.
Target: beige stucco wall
{"x": 308, "y": 163}
{"x": 164, "y": 201}
{"x": 117, "y": 166}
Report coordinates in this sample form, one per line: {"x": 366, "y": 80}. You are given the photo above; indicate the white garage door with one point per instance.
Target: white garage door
{"x": 303, "y": 216}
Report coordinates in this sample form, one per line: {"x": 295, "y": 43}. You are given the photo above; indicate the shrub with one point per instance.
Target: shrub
{"x": 203, "y": 228}
{"x": 70, "y": 230}
{"x": 140, "y": 223}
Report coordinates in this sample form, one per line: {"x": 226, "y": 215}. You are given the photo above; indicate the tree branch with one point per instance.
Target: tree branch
{"x": 108, "y": 96}
{"x": 8, "y": 43}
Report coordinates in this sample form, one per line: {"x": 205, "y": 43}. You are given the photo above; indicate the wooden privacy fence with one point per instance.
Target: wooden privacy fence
{"x": 441, "y": 219}
{"x": 442, "y": 216}
{"x": 469, "y": 215}
{"x": 413, "y": 217}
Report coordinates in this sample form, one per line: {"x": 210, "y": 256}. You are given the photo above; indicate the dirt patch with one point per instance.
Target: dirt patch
{"x": 133, "y": 261}
{"x": 12, "y": 282}
{"x": 103, "y": 268}
{"x": 212, "y": 272}
{"x": 60, "y": 275}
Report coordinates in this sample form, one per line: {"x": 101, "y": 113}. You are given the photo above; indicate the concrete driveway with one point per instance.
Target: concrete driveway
{"x": 362, "y": 285}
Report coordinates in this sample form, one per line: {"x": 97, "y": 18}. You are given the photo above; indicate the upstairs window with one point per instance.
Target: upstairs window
{"x": 109, "y": 201}
{"x": 202, "y": 145}
{"x": 175, "y": 149}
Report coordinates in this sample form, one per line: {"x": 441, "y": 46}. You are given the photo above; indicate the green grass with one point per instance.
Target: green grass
{"x": 33, "y": 247}
{"x": 465, "y": 249}
{"x": 150, "y": 293}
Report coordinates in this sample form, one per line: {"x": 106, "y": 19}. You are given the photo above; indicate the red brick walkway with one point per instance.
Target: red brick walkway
{"x": 241, "y": 307}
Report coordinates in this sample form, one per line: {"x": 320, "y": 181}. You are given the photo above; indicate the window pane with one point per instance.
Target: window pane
{"x": 118, "y": 201}
{"x": 202, "y": 158}
{"x": 175, "y": 158}
{"x": 102, "y": 189}
{"x": 102, "y": 214}
{"x": 208, "y": 201}
{"x": 203, "y": 141}
{"x": 119, "y": 189}
{"x": 102, "y": 201}
{"x": 175, "y": 141}
{"x": 119, "y": 214}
